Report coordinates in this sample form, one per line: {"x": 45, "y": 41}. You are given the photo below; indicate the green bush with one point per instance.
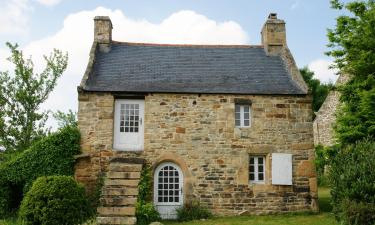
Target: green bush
{"x": 193, "y": 211}
{"x": 145, "y": 210}
{"x": 146, "y": 213}
{"x": 357, "y": 213}
{"x": 352, "y": 180}
{"x": 53, "y": 155}
{"x": 55, "y": 200}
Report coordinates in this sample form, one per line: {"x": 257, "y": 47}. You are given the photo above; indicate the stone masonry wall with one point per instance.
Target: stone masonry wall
{"x": 326, "y": 116}
{"x": 198, "y": 133}
{"x": 325, "y": 119}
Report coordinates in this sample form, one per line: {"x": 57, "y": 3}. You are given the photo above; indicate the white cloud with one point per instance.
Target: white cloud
{"x": 13, "y": 16}
{"x": 295, "y": 5}
{"x": 321, "y": 69}
{"x": 76, "y": 37}
{"x": 49, "y": 2}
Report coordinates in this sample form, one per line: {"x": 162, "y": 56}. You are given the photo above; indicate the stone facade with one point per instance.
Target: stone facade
{"x": 325, "y": 119}
{"x": 197, "y": 132}
{"x": 326, "y": 116}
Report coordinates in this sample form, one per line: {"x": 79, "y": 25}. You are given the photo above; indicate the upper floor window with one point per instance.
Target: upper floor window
{"x": 257, "y": 169}
{"x": 242, "y": 117}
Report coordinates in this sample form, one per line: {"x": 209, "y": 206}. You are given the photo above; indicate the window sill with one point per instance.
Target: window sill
{"x": 257, "y": 183}
{"x": 127, "y": 150}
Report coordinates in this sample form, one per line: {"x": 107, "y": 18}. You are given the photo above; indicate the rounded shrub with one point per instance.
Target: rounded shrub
{"x": 55, "y": 200}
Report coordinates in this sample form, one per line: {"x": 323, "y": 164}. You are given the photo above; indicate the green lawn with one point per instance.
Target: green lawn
{"x": 291, "y": 219}
{"x": 324, "y": 217}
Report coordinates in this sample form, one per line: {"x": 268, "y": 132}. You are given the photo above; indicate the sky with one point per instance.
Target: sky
{"x": 38, "y": 26}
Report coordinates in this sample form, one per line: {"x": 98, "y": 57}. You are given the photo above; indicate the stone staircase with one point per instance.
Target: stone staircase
{"x": 119, "y": 194}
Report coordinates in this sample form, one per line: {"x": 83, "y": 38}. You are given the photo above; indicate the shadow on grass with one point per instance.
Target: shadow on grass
{"x": 325, "y": 199}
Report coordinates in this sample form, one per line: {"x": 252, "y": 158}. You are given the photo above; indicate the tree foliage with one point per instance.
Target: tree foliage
{"x": 66, "y": 119}
{"x": 21, "y": 95}
{"x": 352, "y": 45}
{"x": 318, "y": 90}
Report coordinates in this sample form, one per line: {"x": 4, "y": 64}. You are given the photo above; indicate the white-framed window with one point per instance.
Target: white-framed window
{"x": 242, "y": 115}
{"x": 257, "y": 169}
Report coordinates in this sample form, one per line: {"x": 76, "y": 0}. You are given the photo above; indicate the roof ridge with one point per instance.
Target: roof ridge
{"x": 188, "y": 45}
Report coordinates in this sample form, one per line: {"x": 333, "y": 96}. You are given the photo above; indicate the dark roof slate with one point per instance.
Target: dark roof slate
{"x": 189, "y": 69}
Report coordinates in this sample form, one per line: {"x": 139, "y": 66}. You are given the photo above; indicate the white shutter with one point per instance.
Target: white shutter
{"x": 281, "y": 169}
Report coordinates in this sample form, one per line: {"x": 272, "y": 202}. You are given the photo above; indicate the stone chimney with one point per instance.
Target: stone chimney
{"x": 273, "y": 35}
{"x": 103, "y": 32}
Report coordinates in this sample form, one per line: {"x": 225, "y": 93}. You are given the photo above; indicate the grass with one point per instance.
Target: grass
{"x": 324, "y": 199}
{"x": 324, "y": 217}
{"x": 288, "y": 219}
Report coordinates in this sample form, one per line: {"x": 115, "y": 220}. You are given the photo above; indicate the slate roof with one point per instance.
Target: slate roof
{"x": 241, "y": 69}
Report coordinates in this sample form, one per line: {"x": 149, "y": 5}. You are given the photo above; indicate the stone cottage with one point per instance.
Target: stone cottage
{"x": 229, "y": 126}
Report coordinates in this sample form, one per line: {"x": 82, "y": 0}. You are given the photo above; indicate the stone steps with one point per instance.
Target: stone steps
{"x": 119, "y": 194}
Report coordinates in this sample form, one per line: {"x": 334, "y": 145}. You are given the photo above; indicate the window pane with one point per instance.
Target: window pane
{"x": 260, "y": 177}
{"x": 260, "y": 169}
{"x": 260, "y": 160}
{"x": 238, "y": 123}
{"x": 251, "y": 176}
{"x": 246, "y": 123}
{"x": 238, "y": 116}
{"x": 252, "y": 169}
{"x": 246, "y": 108}
{"x": 246, "y": 116}
{"x": 238, "y": 108}
{"x": 252, "y": 160}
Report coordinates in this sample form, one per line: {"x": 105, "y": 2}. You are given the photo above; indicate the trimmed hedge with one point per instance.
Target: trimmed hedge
{"x": 55, "y": 200}
{"x": 53, "y": 155}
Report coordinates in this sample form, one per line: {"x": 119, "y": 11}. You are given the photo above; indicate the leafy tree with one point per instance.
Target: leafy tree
{"x": 352, "y": 177}
{"x": 319, "y": 90}
{"x": 21, "y": 95}
{"x": 66, "y": 119}
{"x": 352, "y": 45}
